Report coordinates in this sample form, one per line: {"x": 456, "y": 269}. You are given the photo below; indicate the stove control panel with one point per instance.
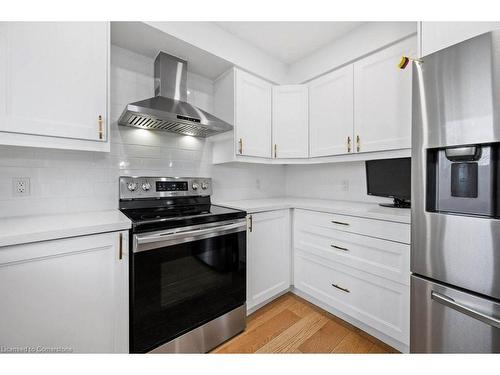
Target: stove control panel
{"x": 158, "y": 187}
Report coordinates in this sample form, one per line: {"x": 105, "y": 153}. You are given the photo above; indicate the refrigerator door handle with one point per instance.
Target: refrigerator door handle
{"x": 450, "y": 302}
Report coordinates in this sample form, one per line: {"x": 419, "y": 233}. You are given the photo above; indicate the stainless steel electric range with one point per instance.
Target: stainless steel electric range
{"x": 187, "y": 265}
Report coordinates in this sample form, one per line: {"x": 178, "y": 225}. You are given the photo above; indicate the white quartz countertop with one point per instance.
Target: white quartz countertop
{"x": 361, "y": 209}
{"x": 26, "y": 229}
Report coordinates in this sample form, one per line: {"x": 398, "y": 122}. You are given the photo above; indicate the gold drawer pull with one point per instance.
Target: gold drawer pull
{"x": 240, "y": 148}
{"x": 339, "y": 222}
{"x": 358, "y": 143}
{"x": 120, "y": 248}
{"x": 348, "y": 144}
{"x": 275, "y": 150}
{"x": 100, "y": 128}
{"x": 340, "y": 248}
{"x": 250, "y": 226}
{"x": 340, "y": 288}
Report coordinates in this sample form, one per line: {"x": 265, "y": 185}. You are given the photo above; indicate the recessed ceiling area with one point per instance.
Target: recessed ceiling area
{"x": 148, "y": 41}
{"x": 289, "y": 42}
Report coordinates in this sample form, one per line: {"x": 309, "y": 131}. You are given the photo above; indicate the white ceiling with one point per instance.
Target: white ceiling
{"x": 288, "y": 41}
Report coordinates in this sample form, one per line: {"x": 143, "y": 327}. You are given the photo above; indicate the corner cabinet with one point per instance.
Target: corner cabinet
{"x": 361, "y": 111}
{"x": 290, "y": 125}
{"x": 74, "y": 294}
{"x": 270, "y": 122}
{"x": 54, "y": 84}
{"x": 268, "y": 256}
{"x": 382, "y": 100}
{"x": 331, "y": 113}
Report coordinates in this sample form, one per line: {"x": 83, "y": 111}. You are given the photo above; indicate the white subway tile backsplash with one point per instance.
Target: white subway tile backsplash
{"x": 325, "y": 181}
{"x": 72, "y": 181}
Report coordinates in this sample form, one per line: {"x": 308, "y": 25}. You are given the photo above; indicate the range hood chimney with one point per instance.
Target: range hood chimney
{"x": 169, "y": 110}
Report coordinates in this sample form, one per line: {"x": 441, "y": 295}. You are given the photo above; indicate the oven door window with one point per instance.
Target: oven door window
{"x": 179, "y": 287}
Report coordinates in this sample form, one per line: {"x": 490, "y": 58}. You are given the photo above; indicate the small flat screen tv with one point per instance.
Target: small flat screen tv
{"x": 390, "y": 178}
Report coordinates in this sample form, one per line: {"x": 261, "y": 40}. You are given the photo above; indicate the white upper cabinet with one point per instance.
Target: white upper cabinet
{"x": 290, "y": 131}
{"x": 252, "y": 115}
{"x": 438, "y": 35}
{"x": 54, "y": 81}
{"x": 331, "y": 113}
{"x": 382, "y": 100}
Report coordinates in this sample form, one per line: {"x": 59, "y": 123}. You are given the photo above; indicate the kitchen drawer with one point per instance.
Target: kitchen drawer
{"x": 377, "y": 302}
{"x": 325, "y": 223}
{"x": 379, "y": 257}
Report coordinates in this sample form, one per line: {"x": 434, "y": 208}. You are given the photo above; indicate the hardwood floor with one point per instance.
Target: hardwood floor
{"x": 292, "y": 325}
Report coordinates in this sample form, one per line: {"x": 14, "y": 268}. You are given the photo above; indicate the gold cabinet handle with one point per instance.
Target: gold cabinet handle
{"x": 240, "y": 146}
{"x": 348, "y": 144}
{"x": 341, "y": 288}
{"x": 339, "y": 222}
{"x": 275, "y": 150}
{"x": 358, "y": 143}
{"x": 250, "y": 223}
{"x": 100, "y": 128}
{"x": 340, "y": 248}
{"x": 120, "y": 247}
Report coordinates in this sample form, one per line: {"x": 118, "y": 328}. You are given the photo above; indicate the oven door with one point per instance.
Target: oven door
{"x": 183, "y": 278}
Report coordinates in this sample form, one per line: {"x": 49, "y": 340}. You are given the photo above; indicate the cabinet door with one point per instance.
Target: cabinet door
{"x": 268, "y": 256}
{"x": 331, "y": 113}
{"x": 253, "y": 115}
{"x": 382, "y": 100}
{"x": 53, "y": 79}
{"x": 69, "y": 293}
{"x": 438, "y": 35}
{"x": 290, "y": 121}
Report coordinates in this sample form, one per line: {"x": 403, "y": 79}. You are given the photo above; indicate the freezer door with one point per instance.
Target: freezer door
{"x": 448, "y": 320}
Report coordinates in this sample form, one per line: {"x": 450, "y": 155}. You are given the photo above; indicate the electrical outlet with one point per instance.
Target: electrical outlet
{"x": 21, "y": 186}
{"x": 344, "y": 186}
{"x": 257, "y": 183}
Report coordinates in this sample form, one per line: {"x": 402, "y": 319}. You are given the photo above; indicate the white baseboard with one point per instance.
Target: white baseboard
{"x": 252, "y": 309}
{"x": 403, "y": 348}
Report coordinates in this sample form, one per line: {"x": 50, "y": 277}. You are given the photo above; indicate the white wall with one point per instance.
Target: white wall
{"x": 342, "y": 181}
{"x": 65, "y": 181}
{"x": 361, "y": 41}
{"x": 214, "y": 39}
{"x": 438, "y": 35}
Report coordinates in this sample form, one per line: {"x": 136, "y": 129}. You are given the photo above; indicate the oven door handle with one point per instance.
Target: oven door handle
{"x": 160, "y": 240}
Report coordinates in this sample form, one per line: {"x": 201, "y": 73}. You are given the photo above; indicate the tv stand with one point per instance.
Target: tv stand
{"x": 398, "y": 203}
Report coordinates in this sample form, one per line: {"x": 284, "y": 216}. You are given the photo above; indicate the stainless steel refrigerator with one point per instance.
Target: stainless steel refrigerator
{"x": 455, "y": 254}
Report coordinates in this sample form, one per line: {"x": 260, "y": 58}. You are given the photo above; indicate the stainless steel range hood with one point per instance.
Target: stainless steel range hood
{"x": 169, "y": 110}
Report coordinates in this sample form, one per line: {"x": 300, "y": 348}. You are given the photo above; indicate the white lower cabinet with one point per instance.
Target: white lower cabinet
{"x": 359, "y": 267}
{"x": 268, "y": 256}
{"x": 67, "y": 294}
{"x": 377, "y": 302}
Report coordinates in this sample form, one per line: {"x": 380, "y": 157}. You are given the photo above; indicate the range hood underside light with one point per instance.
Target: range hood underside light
{"x": 181, "y": 126}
